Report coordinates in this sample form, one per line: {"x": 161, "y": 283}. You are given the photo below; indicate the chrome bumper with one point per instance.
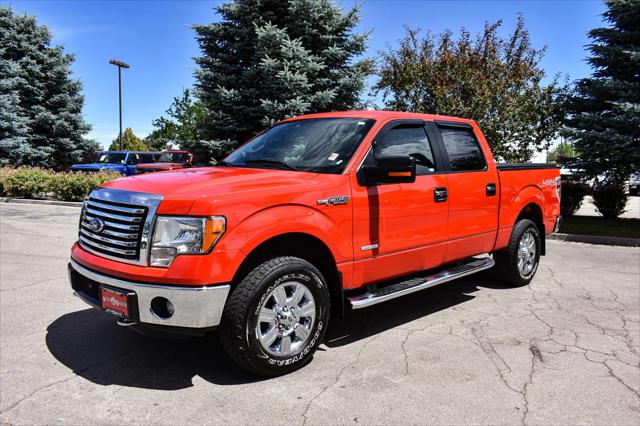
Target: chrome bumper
{"x": 195, "y": 307}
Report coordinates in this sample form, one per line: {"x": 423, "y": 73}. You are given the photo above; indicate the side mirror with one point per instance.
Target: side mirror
{"x": 190, "y": 159}
{"x": 390, "y": 170}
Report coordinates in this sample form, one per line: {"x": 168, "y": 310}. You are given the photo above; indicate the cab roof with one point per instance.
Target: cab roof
{"x": 382, "y": 115}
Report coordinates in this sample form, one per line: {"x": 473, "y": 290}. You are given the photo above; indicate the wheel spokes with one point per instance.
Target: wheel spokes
{"x": 297, "y": 296}
{"x": 280, "y": 295}
{"x": 267, "y": 315}
{"x": 308, "y": 310}
{"x": 285, "y": 344}
{"x": 302, "y": 332}
{"x": 270, "y": 336}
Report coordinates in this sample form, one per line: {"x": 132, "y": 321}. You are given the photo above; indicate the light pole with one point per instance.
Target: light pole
{"x": 120, "y": 65}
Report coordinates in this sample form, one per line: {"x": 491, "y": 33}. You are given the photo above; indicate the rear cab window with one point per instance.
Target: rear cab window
{"x": 463, "y": 149}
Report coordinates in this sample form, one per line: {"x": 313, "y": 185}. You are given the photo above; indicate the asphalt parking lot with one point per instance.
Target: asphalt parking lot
{"x": 564, "y": 350}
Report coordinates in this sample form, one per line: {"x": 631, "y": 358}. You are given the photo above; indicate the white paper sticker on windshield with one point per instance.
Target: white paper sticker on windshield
{"x": 361, "y": 123}
{"x": 333, "y": 156}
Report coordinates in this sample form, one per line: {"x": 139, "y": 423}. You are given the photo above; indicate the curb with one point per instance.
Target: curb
{"x": 596, "y": 239}
{"x": 42, "y": 202}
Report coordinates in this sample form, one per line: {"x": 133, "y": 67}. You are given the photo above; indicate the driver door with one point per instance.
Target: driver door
{"x": 400, "y": 228}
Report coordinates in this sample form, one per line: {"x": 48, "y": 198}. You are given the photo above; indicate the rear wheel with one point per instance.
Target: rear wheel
{"x": 276, "y": 317}
{"x": 518, "y": 262}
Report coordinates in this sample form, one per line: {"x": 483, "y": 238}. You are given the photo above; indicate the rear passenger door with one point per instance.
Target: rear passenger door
{"x": 472, "y": 191}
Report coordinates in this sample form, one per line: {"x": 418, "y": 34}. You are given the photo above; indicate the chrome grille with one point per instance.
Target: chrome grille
{"x": 120, "y": 236}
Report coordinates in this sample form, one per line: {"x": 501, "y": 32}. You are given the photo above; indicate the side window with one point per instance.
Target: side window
{"x": 132, "y": 159}
{"x": 463, "y": 149}
{"x": 146, "y": 158}
{"x": 407, "y": 140}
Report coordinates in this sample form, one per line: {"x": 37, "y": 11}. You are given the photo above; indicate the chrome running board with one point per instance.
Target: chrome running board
{"x": 391, "y": 291}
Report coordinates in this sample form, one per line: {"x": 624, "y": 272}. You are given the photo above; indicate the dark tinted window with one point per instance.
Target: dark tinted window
{"x": 146, "y": 158}
{"x": 463, "y": 149}
{"x": 110, "y": 157}
{"x": 407, "y": 140}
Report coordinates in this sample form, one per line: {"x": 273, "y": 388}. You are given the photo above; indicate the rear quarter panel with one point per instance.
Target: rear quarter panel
{"x": 520, "y": 188}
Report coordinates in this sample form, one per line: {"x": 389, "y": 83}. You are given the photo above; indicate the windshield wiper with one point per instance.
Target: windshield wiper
{"x": 267, "y": 162}
{"x": 223, "y": 163}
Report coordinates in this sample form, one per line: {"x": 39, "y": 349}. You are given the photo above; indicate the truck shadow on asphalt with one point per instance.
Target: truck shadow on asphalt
{"x": 95, "y": 348}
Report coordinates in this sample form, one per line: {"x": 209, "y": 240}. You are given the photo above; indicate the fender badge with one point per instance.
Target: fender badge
{"x": 370, "y": 247}
{"x": 332, "y": 201}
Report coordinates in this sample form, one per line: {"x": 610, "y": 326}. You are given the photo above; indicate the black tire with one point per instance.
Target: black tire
{"x": 507, "y": 259}
{"x": 240, "y": 326}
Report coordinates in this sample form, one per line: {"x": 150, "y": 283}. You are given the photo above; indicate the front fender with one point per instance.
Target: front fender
{"x": 334, "y": 231}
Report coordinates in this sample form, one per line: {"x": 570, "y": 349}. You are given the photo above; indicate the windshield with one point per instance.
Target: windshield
{"x": 323, "y": 145}
{"x": 110, "y": 157}
{"x": 173, "y": 157}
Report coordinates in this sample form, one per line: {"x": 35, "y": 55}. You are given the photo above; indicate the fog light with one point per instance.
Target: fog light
{"x": 162, "y": 308}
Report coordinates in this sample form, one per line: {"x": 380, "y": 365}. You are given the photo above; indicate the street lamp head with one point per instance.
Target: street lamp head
{"x": 118, "y": 63}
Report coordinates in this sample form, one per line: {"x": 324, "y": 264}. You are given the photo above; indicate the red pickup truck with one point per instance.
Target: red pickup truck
{"x": 318, "y": 215}
{"x": 169, "y": 160}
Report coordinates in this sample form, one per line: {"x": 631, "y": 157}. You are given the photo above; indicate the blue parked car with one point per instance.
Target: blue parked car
{"x": 121, "y": 161}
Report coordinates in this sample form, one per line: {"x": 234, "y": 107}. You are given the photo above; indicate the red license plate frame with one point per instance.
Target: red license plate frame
{"x": 115, "y": 302}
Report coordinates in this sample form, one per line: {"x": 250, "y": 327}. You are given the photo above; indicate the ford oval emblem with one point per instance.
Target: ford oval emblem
{"x": 95, "y": 224}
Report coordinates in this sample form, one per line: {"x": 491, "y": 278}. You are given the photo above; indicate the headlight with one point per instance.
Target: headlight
{"x": 174, "y": 235}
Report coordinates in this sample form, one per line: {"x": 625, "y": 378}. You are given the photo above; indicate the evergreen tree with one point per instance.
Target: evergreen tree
{"x": 130, "y": 142}
{"x": 40, "y": 104}
{"x": 604, "y": 117}
{"x": 266, "y": 60}
{"x": 181, "y": 127}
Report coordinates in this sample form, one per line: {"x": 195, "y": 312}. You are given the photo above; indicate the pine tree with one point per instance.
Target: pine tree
{"x": 604, "y": 118}
{"x": 266, "y": 60}
{"x": 40, "y": 104}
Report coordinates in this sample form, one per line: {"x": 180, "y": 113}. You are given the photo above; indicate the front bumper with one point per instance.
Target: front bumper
{"x": 195, "y": 307}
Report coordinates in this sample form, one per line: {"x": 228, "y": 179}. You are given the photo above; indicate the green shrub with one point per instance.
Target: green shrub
{"x": 29, "y": 182}
{"x": 610, "y": 200}
{"x": 76, "y": 186}
{"x": 26, "y": 182}
{"x": 4, "y": 172}
{"x": 571, "y": 197}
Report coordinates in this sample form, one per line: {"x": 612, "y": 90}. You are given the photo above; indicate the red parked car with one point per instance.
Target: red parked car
{"x": 321, "y": 213}
{"x": 168, "y": 160}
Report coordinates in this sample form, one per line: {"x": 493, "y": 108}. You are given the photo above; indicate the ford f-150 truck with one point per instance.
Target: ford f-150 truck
{"x": 168, "y": 160}
{"x": 121, "y": 161}
{"x": 318, "y": 215}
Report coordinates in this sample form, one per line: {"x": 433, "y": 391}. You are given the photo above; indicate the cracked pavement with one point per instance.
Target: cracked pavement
{"x": 564, "y": 350}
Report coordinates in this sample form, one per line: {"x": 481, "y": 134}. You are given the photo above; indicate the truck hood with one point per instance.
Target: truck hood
{"x": 160, "y": 166}
{"x": 181, "y": 188}
{"x": 96, "y": 166}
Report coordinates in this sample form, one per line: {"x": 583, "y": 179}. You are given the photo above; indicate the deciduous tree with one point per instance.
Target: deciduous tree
{"x": 130, "y": 142}
{"x": 181, "y": 127}
{"x": 497, "y": 82}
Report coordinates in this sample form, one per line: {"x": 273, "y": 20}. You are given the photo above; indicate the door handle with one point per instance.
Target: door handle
{"x": 491, "y": 189}
{"x": 440, "y": 195}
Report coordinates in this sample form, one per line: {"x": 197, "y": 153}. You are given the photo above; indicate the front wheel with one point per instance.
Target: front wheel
{"x": 276, "y": 317}
{"x": 518, "y": 262}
